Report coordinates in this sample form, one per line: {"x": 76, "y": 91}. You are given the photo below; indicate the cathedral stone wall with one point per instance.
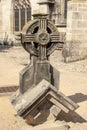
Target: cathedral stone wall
{"x": 76, "y": 38}
{"x": 6, "y": 19}
{"x": 0, "y": 21}
{"x": 34, "y": 6}
{"x": 7, "y": 16}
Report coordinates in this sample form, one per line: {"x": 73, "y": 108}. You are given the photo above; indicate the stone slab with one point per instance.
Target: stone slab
{"x": 28, "y": 103}
{"x": 31, "y": 75}
{"x": 28, "y": 98}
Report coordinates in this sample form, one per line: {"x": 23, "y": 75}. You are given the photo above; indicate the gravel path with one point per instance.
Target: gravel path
{"x": 73, "y": 83}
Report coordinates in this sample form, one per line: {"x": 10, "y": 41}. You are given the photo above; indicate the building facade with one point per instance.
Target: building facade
{"x": 70, "y": 16}
{"x": 15, "y": 13}
{"x": 76, "y": 31}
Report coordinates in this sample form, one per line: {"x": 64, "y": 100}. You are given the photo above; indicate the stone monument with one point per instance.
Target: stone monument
{"x": 38, "y": 97}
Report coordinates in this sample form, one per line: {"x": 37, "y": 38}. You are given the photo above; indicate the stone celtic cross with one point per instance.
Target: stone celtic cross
{"x": 38, "y": 92}
{"x": 42, "y": 42}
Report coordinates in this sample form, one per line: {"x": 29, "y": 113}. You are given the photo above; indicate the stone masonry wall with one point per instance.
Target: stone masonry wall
{"x": 76, "y": 38}
{"x": 7, "y": 16}
{"x": 6, "y": 19}
{"x": 0, "y": 20}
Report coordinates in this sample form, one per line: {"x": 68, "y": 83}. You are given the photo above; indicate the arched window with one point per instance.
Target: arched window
{"x": 28, "y": 14}
{"x": 65, "y": 10}
{"x": 16, "y": 13}
{"x": 22, "y": 17}
{"x": 60, "y": 12}
{"x": 22, "y": 14}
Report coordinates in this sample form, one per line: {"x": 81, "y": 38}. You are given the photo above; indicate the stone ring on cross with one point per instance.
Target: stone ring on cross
{"x": 39, "y": 33}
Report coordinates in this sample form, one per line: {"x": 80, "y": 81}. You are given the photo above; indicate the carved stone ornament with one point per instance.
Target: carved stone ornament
{"x": 39, "y": 81}
{"x": 40, "y": 32}
{"x": 43, "y": 38}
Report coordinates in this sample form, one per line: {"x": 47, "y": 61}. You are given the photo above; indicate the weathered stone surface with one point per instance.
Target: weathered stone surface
{"x": 76, "y": 37}
{"x": 42, "y": 72}
{"x": 38, "y": 99}
{"x": 40, "y": 45}
{"x": 32, "y": 75}
{"x": 27, "y": 78}
{"x": 30, "y": 96}
{"x": 74, "y": 50}
{"x": 55, "y": 111}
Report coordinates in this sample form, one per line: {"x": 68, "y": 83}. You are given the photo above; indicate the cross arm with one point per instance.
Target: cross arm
{"x": 28, "y": 38}
{"x": 43, "y": 24}
{"x": 55, "y": 38}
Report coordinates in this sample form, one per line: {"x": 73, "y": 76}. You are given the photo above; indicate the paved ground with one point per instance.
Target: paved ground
{"x": 73, "y": 83}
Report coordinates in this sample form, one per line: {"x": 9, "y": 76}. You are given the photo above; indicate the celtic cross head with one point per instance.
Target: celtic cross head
{"x": 40, "y": 37}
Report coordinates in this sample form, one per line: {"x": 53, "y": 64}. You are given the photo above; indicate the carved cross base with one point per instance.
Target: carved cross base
{"x": 35, "y": 72}
{"x": 42, "y": 102}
